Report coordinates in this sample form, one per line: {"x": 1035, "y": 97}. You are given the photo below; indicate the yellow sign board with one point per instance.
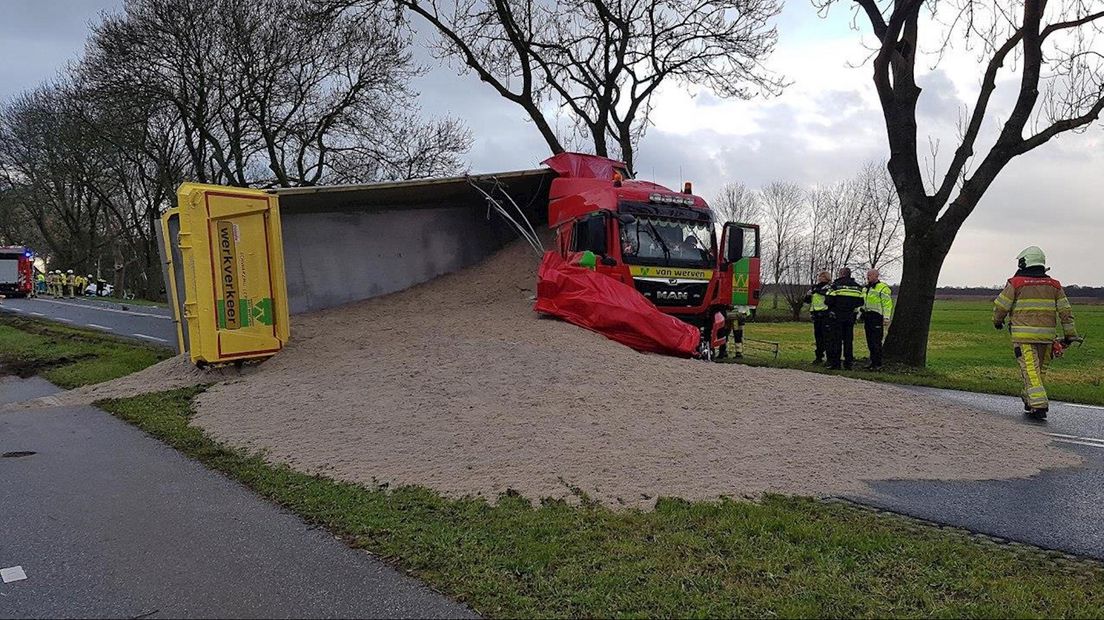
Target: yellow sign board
{"x": 235, "y": 293}
{"x": 640, "y": 271}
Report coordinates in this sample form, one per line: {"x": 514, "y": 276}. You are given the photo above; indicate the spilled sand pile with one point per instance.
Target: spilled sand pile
{"x": 457, "y": 385}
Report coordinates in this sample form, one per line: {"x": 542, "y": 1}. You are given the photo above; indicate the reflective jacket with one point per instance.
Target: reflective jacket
{"x": 878, "y": 298}
{"x": 845, "y": 297}
{"x": 817, "y": 298}
{"x": 1033, "y": 301}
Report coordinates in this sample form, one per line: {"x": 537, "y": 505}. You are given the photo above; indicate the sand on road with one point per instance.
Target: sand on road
{"x": 458, "y": 385}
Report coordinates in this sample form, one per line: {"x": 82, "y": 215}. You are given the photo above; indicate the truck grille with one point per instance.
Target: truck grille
{"x": 663, "y": 293}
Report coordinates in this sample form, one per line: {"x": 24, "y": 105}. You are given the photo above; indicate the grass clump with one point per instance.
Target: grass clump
{"x": 69, "y": 357}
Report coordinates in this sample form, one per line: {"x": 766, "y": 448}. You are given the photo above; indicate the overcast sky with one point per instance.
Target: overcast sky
{"x": 822, "y": 129}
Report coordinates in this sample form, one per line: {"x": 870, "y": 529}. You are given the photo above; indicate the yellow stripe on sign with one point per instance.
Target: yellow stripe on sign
{"x": 640, "y": 271}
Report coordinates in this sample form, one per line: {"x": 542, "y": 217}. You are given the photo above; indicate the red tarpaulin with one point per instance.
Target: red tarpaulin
{"x": 615, "y": 310}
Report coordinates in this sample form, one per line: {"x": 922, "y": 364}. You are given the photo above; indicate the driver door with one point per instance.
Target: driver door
{"x": 740, "y": 257}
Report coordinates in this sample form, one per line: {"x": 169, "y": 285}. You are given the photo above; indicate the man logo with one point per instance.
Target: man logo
{"x": 673, "y": 295}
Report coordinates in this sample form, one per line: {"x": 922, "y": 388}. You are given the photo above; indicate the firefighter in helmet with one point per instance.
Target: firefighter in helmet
{"x": 1033, "y": 303}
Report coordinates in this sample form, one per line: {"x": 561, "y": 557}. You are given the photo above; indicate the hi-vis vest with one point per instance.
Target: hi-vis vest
{"x": 819, "y": 302}
{"x": 878, "y": 299}
{"x": 1033, "y": 303}
{"x": 818, "y": 298}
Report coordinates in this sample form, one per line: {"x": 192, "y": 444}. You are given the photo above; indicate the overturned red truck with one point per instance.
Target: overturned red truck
{"x": 663, "y": 244}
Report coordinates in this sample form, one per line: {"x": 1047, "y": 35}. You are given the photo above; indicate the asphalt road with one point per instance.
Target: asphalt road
{"x": 106, "y": 521}
{"x": 149, "y": 324}
{"x": 1057, "y": 509}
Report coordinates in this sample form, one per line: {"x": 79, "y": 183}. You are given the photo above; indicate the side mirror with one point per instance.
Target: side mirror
{"x": 626, "y": 218}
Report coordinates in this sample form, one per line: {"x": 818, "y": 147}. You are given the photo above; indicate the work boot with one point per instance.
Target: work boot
{"x": 833, "y": 366}
{"x": 1038, "y": 413}
{"x": 818, "y": 361}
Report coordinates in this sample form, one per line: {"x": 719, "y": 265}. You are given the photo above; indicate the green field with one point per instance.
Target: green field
{"x": 964, "y": 352}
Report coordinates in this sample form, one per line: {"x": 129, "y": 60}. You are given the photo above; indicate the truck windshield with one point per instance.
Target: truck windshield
{"x": 667, "y": 242}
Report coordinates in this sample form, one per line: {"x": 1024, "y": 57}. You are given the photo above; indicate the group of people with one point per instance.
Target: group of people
{"x": 836, "y": 305}
{"x": 1033, "y": 305}
{"x": 58, "y": 284}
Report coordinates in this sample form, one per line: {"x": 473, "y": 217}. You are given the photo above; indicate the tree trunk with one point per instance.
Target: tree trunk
{"x": 907, "y": 341}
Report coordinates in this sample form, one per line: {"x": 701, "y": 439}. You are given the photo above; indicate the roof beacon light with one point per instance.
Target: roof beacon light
{"x": 671, "y": 199}
{"x": 688, "y": 188}
{"x": 617, "y": 179}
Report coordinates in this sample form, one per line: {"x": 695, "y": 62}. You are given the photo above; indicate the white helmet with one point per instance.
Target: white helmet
{"x": 1031, "y": 257}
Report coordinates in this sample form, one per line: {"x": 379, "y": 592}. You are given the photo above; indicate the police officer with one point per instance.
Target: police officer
{"x": 877, "y": 312}
{"x": 1033, "y": 303}
{"x": 817, "y": 298}
{"x": 844, "y": 298}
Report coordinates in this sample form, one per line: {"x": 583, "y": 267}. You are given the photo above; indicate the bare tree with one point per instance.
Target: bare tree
{"x": 784, "y": 219}
{"x": 836, "y": 228}
{"x": 601, "y": 61}
{"x": 1055, "y": 48}
{"x": 240, "y": 92}
{"x": 44, "y": 158}
{"x": 271, "y": 93}
{"x": 882, "y": 226}
{"x": 736, "y": 203}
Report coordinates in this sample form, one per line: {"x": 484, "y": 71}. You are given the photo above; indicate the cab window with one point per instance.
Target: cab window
{"x": 590, "y": 234}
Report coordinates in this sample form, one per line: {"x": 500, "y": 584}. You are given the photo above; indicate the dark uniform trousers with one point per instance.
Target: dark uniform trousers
{"x": 820, "y": 332}
{"x": 841, "y": 339}
{"x": 874, "y": 325}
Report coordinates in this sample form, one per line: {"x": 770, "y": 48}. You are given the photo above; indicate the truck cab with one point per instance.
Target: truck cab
{"x": 665, "y": 244}
{"x": 16, "y": 271}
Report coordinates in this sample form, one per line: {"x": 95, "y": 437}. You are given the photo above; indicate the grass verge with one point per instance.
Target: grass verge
{"x": 964, "y": 353}
{"x": 69, "y": 357}
{"x": 781, "y": 556}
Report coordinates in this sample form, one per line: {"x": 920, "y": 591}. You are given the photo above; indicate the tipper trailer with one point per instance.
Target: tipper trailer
{"x": 344, "y": 243}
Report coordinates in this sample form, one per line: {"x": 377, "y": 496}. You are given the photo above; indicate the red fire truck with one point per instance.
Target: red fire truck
{"x": 16, "y": 271}
{"x": 661, "y": 242}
